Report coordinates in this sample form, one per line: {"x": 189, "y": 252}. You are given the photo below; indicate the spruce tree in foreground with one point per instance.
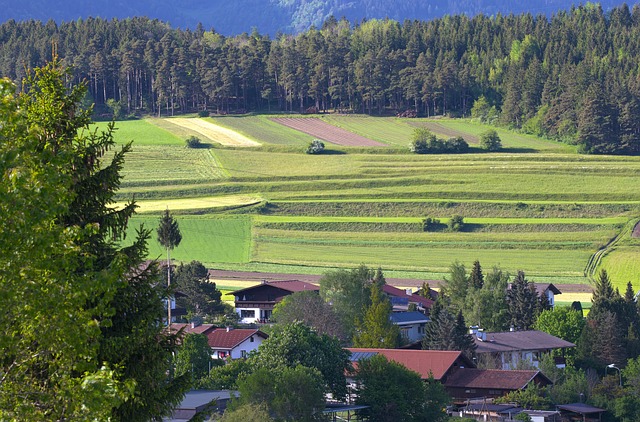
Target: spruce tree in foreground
{"x": 80, "y": 338}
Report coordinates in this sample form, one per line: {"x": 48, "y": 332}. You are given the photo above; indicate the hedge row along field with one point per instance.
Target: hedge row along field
{"x": 536, "y": 206}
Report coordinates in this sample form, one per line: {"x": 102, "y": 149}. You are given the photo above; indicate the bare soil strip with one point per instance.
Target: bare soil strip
{"x": 636, "y": 230}
{"x": 443, "y": 130}
{"x": 327, "y": 132}
{"x": 213, "y": 132}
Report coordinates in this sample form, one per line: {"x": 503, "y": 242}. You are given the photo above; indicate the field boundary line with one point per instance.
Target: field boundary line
{"x": 596, "y": 258}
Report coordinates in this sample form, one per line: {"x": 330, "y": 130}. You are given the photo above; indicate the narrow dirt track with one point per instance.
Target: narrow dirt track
{"x": 327, "y": 132}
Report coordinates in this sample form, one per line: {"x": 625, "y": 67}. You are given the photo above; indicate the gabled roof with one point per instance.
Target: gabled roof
{"x": 413, "y": 317}
{"x": 189, "y": 329}
{"x": 396, "y": 292}
{"x": 424, "y": 362}
{"x": 510, "y": 341}
{"x": 494, "y": 379}
{"x": 543, "y": 287}
{"x": 291, "y": 286}
{"x": 223, "y": 339}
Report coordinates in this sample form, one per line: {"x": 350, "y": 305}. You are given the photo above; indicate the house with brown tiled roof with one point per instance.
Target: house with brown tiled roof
{"x": 471, "y": 383}
{"x": 255, "y": 304}
{"x": 192, "y": 328}
{"x": 505, "y": 350}
{"x": 234, "y": 343}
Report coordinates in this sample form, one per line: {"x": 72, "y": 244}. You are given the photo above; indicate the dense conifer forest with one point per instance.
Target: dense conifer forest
{"x": 574, "y": 77}
{"x": 271, "y": 16}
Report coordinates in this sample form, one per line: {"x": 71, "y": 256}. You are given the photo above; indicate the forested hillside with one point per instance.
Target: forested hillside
{"x": 574, "y": 77}
{"x": 271, "y": 16}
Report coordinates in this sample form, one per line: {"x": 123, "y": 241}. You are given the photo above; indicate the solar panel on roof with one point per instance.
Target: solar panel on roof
{"x": 357, "y": 356}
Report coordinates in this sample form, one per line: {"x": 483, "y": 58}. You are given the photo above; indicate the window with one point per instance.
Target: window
{"x": 251, "y": 339}
{"x": 247, "y": 313}
{"x": 222, "y": 355}
{"x": 243, "y": 353}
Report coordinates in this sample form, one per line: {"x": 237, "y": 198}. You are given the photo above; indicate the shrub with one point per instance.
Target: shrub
{"x": 430, "y": 224}
{"x": 490, "y": 140}
{"x": 193, "y": 142}
{"x": 457, "y": 145}
{"x": 315, "y": 147}
{"x": 456, "y": 223}
{"x": 203, "y": 113}
{"x": 422, "y": 140}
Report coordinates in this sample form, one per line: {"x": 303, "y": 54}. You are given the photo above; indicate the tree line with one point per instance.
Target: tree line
{"x": 572, "y": 77}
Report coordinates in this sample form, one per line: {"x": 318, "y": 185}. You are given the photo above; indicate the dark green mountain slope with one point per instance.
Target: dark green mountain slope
{"x": 270, "y": 16}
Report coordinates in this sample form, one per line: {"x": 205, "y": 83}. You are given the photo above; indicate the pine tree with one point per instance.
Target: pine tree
{"x": 522, "y": 299}
{"x": 476, "y": 279}
{"x": 378, "y": 278}
{"x": 604, "y": 288}
{"x": 446, "y": 331}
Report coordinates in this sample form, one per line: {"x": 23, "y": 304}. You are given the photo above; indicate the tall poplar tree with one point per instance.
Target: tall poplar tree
{"x": 169, "y": 237}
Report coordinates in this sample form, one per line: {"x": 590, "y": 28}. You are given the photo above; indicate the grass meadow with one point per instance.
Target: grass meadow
{"x": 538, "y": 206}
{"x": 204, "y": 239}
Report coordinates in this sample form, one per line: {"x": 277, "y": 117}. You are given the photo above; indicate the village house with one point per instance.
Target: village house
{"x": 412, "y": 325}
{"x": 230, "y": 343}
{"x": 506, "y": 350}
{"x": 472, "y": 383}
{"x": 255, "y": 304}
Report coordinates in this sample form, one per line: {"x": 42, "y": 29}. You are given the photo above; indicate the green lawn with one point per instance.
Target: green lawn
{"x": 204, "y": 239}
{"x": 142, "y": 132}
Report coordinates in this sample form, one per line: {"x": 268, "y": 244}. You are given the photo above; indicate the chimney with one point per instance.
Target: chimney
{"x": 512, "y": 328}
{"x": 409, "y": 292}
{"x": 473, "y": 329}
{"x": 228, "y": 328}
{"x": 193, "y": 325}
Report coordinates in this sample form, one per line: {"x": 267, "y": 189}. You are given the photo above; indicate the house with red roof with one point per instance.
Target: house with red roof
{"x": 437, "y": 363}
{"x": 401, "y": 299}
{"x": 458, "y": 374}
{"x": 255, "y": 304}
{"x": 233, "y": 343}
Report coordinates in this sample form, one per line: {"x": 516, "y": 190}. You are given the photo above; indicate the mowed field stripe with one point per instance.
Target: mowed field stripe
{"x": 480, "y": 220}
{"x": 327, "y": 132}
{"x": 213, "y": 132}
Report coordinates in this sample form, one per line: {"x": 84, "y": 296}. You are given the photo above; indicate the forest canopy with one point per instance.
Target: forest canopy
{"x": 574, "y": 77}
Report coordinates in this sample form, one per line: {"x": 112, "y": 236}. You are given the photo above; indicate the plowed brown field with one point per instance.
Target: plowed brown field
{"x": 327, "y": 132}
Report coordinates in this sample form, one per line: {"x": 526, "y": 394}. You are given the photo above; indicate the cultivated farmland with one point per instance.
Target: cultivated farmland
{"x": 539, "y": 207}
{"x": 327, "y": 132}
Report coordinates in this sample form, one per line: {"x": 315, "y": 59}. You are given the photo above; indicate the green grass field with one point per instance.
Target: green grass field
{"x": 539, "y": 207}
{"x": 204, "y": 239}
